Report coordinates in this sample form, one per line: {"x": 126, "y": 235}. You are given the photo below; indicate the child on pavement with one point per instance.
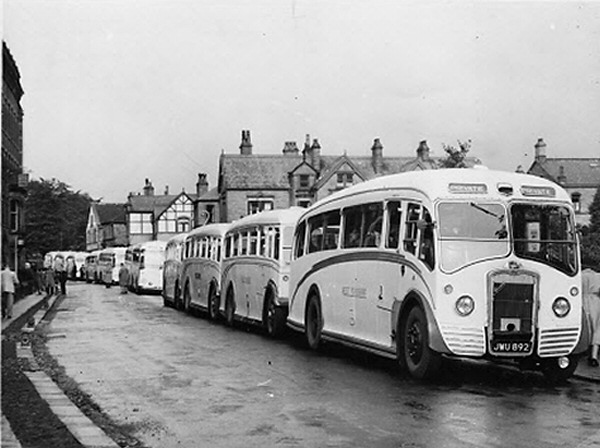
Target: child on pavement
{"x": 9, "y": 283}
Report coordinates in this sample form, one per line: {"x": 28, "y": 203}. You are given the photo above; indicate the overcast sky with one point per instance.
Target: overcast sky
{"x": 118, "y": 91}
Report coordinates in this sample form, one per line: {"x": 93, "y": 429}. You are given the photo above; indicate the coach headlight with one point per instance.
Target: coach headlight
{"x": 561, "y": 307}
{"x": 465, "y": 305}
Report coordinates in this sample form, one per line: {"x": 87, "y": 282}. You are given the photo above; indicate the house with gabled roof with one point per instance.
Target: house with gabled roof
{"x": 249, "y": 183}
{"x": 579, "y": 176}
{"x": 160, "y": 217}
{"x": 106, "y": 226}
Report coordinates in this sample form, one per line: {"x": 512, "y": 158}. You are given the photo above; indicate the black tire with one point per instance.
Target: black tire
{"x": 421, "y": 362}
{"x": 187, "y": 299}
{"x": 554, "y": 374}
{"x": 274, "y": 316}
{"x": 230, "y": 307}
{"x": 177, "y": 297}
{"x": 313, "y": 322}
{"x": 213, "y": 303}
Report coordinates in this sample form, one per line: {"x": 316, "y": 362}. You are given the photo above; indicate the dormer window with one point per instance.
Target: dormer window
{"x": 304, "y": 180}
{"x": 576, "y": 200}
{"x": 344, "y": 179}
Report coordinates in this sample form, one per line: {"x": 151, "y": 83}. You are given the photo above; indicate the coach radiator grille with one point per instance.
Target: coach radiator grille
{"x": 512, "y": 314}
{"x": 464, "y": 341}
{"x": 557, "y": 342}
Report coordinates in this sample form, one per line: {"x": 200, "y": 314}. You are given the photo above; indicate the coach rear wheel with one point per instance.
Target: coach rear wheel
{"x": 273, "y": 316}
{"x": 314, "y": 322}
{"x": 229, "y": 307}
{"x": 187, "y": 298}
{"x": 420, "y": 360}
{"x": 213, "y": 304}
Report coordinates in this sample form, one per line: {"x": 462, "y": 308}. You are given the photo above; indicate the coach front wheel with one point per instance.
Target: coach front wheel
{"x": 420, "y": 360}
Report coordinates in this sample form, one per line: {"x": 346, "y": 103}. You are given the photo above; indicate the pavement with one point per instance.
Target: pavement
{"x": 82, "y": 428}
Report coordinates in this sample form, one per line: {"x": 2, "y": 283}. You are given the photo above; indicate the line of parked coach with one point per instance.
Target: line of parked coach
{"x": 143, "y": 261}
{"x": 413, "y": 266}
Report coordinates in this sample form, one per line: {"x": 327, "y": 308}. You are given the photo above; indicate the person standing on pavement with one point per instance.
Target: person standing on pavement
{"x": 61, "y": 273}
{"x": 49, "y": 281}
{"x": 9, "y": 284}
{"x": 123, "y": 278}
{"x": 591, "y": 306}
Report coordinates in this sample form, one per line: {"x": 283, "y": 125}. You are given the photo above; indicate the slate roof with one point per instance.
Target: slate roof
{"x": 583, "y": 172}
{"x": 260, "y": 171}
{"x": 256, "y": 171}
{"x": 111, "y": 213}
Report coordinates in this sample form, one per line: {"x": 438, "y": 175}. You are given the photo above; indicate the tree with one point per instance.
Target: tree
{"x": 456, "y": 157}
{"x": 590, "y": 238}
{"x": 55, "y": 218}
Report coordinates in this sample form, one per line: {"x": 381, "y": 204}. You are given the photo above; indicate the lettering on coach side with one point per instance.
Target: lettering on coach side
{"x": 359, "y": 293}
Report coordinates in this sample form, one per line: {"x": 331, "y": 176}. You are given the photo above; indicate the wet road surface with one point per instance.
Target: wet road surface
{"x": 183, "y": 381}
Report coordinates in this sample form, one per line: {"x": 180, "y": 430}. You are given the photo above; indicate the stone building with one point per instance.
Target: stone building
{"x": 14, "y": 181}
{"x": 580, "y": 177}
{"x": 249, "y": 183}
{"x": 106, "y": 227}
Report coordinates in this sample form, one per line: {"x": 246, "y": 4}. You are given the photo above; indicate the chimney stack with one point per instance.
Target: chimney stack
{"x": 148, "y": 188}
{"x": 201, "y": 185}
{"x": 423, "y": 150}
{"x": 315, "y": 155}
{"x": 290, "y": 148}
{"x": 377, "y": 156}
{"x": 540, "y": 151}
{"x": 306, "y": 149}
{"x": 246, "y": 145}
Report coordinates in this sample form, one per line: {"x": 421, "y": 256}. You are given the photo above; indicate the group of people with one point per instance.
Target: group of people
{"x": 45, "y": 280}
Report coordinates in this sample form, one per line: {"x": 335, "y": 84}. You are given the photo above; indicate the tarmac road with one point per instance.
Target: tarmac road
{"x": 182, "y": 381}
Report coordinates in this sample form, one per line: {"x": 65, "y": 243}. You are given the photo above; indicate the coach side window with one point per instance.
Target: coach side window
{"x": 410, "y": 236}
{"x": 275, "y": 243}
{"x": 352, "y": 227}
{"x": 331, "y": 230}
{"x": 394, "y": 212}
{"x": 244, "y": 243}
{"x": 427, "y": 248}
{"x": 373, "y": 217}
{"x": 262, "y": 244}
{"x": 315, "y": 237}
{"x": 254, "y": 242}
{"x": 235, "y": 245}
{"x": 299, "y": 240}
